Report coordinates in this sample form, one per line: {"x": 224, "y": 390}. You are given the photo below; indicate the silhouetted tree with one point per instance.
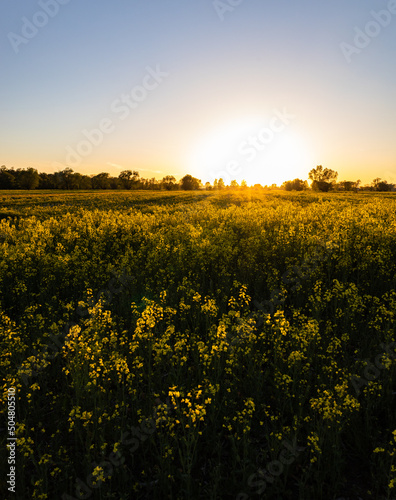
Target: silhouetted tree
{"x": 101, "y": 181}
{"x": 322, "y": 179}
{"x": 46, "y": 181}
{"x": 348, "y": 185}
{"x": 7, "y": 178}
{"x": 65, "y": 178}
{"x": 380, "y": 185}
{"x": 80, "y": 181}
{"x": 151, "y": 184}
{"x": 295, "y": 185}
{"x": 169, "y": 182}
{"x": 128, "y": 178}
{"x": 189, "y": 183}
{"x": 28, "y": 179}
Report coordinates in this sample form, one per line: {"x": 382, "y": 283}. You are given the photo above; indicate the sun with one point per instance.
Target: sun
{"x": 259, "y": 151}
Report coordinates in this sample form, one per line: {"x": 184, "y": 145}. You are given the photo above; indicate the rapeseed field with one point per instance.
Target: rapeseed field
{"x": 228, "y": 345}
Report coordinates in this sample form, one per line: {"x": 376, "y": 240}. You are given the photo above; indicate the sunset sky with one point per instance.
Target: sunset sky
{"x": 262, "y": 91}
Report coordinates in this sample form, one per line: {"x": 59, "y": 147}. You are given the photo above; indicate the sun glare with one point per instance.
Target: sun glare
{"x": 249, "y": 150}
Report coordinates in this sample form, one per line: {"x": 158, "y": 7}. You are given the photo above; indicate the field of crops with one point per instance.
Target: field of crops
{"x": 203, "y": 345}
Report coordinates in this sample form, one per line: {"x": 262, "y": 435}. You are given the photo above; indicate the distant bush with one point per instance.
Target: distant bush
{"x": 296, "y": 185}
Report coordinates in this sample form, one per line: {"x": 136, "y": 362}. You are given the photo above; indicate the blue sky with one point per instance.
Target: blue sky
{"x": 227, "y": 77}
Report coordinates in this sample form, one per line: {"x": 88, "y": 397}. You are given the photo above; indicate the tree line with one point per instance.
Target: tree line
{"x": 323, "y": 179}
{"x": 30, "y": 178}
